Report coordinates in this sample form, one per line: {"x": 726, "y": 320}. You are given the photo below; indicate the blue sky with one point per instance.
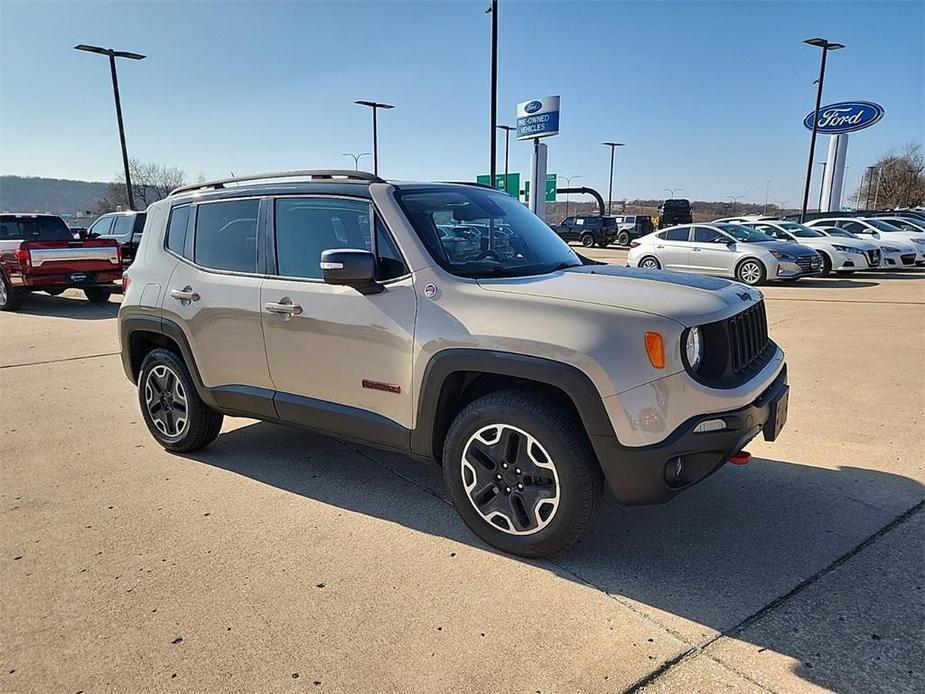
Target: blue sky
{"x": 709, "y": 96}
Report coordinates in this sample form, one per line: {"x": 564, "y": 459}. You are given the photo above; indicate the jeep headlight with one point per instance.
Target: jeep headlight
{"x": 693, "y": 348}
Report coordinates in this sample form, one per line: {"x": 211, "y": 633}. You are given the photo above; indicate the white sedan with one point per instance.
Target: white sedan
{"x": 874, "y": 228}
{"x": 842, "y": 256}
{"x": 893, "y": 254}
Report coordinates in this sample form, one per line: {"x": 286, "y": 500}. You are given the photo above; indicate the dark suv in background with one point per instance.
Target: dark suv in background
{"x": 589, "y": 229}
{"x": 674, "y": 212}
{"x": 124, "y": 227}
{"x": 632, "y": 226}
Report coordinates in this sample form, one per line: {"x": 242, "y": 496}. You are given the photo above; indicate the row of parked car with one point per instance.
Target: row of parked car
{"x": 754, "y": 250}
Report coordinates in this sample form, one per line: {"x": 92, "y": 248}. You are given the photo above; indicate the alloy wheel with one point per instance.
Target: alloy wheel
{"x": 510, "y": 479}
{"x": 3, "y": 293}
{"x": 650, "y": 264}
{"x": 750, "y": 273}
{"x": 165, "y": 398}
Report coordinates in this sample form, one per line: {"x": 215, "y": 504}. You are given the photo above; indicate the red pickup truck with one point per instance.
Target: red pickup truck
{"x": 39, "y": 253}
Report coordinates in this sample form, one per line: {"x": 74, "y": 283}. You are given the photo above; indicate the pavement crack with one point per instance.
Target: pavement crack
{"x": 63, "y": 359}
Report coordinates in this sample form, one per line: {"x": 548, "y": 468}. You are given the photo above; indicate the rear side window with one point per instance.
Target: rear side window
{"x": 679, "y": 234}
{"x": 176, "y": 229}
{"x": 226, "y": 235}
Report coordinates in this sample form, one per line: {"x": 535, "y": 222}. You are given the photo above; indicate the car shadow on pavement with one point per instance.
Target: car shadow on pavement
{"x": 76, "y": 307}
{"x": 710, "y": 561}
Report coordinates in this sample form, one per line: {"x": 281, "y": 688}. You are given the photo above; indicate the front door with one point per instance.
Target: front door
{"x": 339, "y": 359}
{"x": 710, "y": 252}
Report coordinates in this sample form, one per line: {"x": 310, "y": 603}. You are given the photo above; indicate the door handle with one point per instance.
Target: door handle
{"x": 695, "y": 249}
{"x": 659, "y": 246}
{"x": 186, "y": 294}
{"x": 284, "y": 308}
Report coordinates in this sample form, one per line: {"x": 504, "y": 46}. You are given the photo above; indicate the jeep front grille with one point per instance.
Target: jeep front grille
{"x": 748, "y": 337}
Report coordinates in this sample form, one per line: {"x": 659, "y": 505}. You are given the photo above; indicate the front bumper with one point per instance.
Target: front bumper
{"x": 786, "y": 269}
{"x": 843, "y": 262}
{"x": 637, "y": 476}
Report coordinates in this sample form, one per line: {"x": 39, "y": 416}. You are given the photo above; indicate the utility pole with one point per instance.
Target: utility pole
{"x": 568, "y": 184}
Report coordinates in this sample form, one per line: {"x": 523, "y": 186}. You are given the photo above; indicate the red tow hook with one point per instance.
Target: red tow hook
{"x": 741, "y": 458}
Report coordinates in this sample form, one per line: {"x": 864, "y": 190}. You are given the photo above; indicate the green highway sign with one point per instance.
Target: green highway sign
{"x": 550, "y": 189}
{"x": 511, "y": 186}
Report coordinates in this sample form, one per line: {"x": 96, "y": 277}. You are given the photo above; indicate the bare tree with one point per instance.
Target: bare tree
{"x": 896, "y": 180}
{"x": 150, "y": 182}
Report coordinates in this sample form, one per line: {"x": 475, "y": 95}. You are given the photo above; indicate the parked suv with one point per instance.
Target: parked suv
{"x": 590, "y": 230}
{"x": 124, "y": 227}
{"x": 632, "y": 226}
{"x": 674, "y": 212}
{"x": 333, "y": 300}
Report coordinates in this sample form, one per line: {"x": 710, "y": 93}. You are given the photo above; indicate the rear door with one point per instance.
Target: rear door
{"x": 214, "y": 293}
{"x": 339, "y": 358}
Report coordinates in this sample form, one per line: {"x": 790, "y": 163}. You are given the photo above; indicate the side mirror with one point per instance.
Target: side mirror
{"x": 350, "y": 267}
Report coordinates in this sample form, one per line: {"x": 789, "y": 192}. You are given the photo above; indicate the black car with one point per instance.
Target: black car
{"x": 674, "y": 212}
{"x": 124, "y": 227}
{"x": 589, "y": 229}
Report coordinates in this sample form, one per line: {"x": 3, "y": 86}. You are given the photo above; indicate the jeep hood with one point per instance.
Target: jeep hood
{"x": 687, "y": 299}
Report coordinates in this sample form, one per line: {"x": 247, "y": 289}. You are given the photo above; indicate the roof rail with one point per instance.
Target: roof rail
{"x": 346, "y": 174}
{"x": 471, "y": 183}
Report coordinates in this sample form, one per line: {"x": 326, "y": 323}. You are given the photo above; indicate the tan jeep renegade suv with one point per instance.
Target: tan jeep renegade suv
{"x": 448, "y": 322}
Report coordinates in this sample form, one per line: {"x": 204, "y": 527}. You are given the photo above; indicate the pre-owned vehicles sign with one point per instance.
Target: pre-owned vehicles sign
{"x": 538, "y": 118}
{"x": 845, "y": 117}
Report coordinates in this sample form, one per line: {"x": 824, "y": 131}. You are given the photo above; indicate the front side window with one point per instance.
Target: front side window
{"x": 708, "y": 235}
{"x": 472, "y": 232}
{"x": 800, "y": 231}
{"x": 101, "y": 226}
{"x": 852, "y": 226}
{"x": 226, "y": 235}
{"x": 123, "y": 225}
{"x": 305, "y": 227}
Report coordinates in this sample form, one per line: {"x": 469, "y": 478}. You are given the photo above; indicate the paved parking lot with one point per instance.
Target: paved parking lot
{"x": 277, "y": 560}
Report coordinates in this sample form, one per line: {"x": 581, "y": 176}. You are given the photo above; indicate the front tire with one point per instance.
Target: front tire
{"x": 176, "y": 416}
{"x": 10, "y": 299}
{"x": 751, "y": 272}
{"x": 521, "y": 473}
{"x": 826, "y": 265}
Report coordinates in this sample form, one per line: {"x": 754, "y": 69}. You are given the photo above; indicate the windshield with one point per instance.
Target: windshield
{"x": 834, "y": 231}
{"x": 904, "y": 225}
{"x": 474, "y": 232}
{"x": 801, "y": 231}
{"x": 744, "y": 234}
{"x": 881, "y": 226}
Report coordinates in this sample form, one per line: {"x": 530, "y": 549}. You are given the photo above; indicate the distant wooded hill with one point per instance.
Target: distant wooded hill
{"x": 54, "y": 195}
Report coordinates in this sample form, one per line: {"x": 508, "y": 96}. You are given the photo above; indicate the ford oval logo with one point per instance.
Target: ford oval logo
{"x": 845, "y": 117}
{"x": 533, "y": 106}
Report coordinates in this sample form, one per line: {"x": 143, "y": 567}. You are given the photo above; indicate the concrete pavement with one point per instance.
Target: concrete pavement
{"x": 277, "y": 560}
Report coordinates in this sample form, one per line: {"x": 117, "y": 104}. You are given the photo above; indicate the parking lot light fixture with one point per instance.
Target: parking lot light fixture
{"x": 672, "y": 191}
{"x": 113, "y": 54}
{"x": 826, "y": 46}
{"x": 375, "y": 106}
{"x": 613, "y": 147}
{"x": 356, "y": 158}
{"x": 568, "y": 184}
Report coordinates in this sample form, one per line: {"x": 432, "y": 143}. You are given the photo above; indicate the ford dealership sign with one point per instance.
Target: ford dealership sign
{"x": 538, "y": 118}
{"x": 845, "y": 117}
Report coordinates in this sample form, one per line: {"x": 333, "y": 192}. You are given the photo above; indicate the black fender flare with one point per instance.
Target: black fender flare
{"x": 569, "y": 379}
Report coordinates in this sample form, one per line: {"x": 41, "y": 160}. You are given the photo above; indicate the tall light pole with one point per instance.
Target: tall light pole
{"x": 822, "y": 183}
{"x": 672, "y": 191}
{"x": 870, "y": 181}
{"x": 767, "y": 192}
{"x": 568, "y": 184}
{"x": 507, "y": 143}
{"x": 375, "y": 106}
{"x": 735, "y": 201}
{"x": 113, "y": 54}
{"x": 356, "y": 158}
{"x": 826, "y": 46}
{"x": 613, "y": 148}
{"x": 493, "y": 165}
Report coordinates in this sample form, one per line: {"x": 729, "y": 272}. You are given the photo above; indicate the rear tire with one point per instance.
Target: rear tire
{"x": 10, "y": 298}
{"x": 587, "y": 240}
{"x": 650, "y": 262}
{"x": 826, "y": 264}
{"x": 96, "y": 295}
{"x": 521, "y": 473}
{"x": 176, "y": 416}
